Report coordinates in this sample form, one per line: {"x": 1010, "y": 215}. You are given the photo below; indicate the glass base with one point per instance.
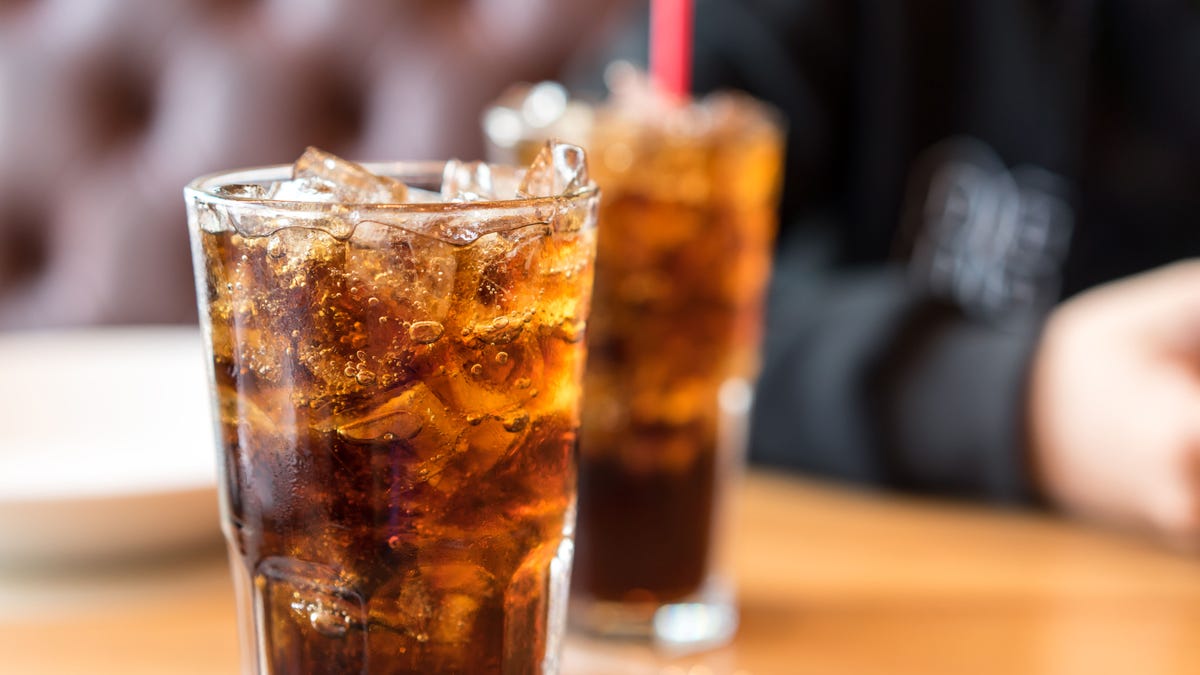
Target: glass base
{"x": 705, "y": 620}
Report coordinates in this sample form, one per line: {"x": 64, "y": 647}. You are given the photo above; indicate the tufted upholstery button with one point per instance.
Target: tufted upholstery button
{"x": 107, "y": 107}
{"x": 23, "y": 247}
{"x": 331, "y": 108}
{"x": 119, "y": 101}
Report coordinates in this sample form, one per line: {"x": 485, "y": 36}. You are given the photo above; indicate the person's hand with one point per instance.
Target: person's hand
{"x": 1114, "y": 404}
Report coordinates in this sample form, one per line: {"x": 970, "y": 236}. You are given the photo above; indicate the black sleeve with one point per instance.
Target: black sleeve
{"x": 1155, "y": 49}
{"x": 867, "y": 379}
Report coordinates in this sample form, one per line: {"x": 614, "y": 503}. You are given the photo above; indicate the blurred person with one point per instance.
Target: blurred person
{"x": 973, "y": 294}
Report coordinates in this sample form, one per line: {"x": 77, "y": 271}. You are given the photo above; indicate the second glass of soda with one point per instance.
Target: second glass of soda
{"x": 687, "y": 224}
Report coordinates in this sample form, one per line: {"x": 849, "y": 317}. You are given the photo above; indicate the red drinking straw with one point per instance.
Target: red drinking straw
{"x": 671, "y": 46}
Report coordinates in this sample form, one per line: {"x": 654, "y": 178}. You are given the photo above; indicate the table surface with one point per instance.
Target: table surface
{"x": 832, "y": 581}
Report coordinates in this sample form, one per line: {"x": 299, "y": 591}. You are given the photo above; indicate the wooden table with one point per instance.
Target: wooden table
{"x": 833, "y": 582}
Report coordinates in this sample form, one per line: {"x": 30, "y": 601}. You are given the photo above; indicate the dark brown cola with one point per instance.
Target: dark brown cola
{"x": 398, "y": 412}
{"x": 686, "y": 229}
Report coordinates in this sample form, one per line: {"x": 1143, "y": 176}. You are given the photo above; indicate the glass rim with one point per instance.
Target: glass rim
{"x": 763, "y": 117}
{"x": 203, "y": 188}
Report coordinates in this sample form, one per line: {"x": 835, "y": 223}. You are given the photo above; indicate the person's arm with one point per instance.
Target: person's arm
{"x": 867, "y": 379}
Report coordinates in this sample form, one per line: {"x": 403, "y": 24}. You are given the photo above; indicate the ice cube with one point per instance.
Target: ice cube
{"x": 303, "y": 190}
{"x": 241, "y": 191}
{"x": 486, "y": 442}
{"x": 559, "y": 169}
{"x": 419, "y": 196}
{"x": 434, "y": 605}
{"x": 302, "y": 601}
{"x": 321, "y": 176}
{"x": 455, "y": 619}
{"x": 441, "y": 448}
{"x": 390, "y": 421}
{"x": 468, "y": 388}
{"x": 466, "y": 181}
{"x": 462, "y": 585}
{"x": 503, "y": 270}
{"x": 404, "y": 606}
{"x": 414, "y": 417}
{"x": 474, "y": 181}
{"x": 401, "y": 276}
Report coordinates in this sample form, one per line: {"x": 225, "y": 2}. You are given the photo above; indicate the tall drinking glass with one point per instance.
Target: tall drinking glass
{"x": 395, "y": 375}
{"x": 687, "y": 225}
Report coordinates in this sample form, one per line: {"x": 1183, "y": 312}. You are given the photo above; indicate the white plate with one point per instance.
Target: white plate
{"x": 106, "y": 444}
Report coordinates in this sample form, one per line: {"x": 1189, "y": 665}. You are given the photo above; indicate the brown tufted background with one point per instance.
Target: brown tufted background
{"x": 107, "y": 107}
